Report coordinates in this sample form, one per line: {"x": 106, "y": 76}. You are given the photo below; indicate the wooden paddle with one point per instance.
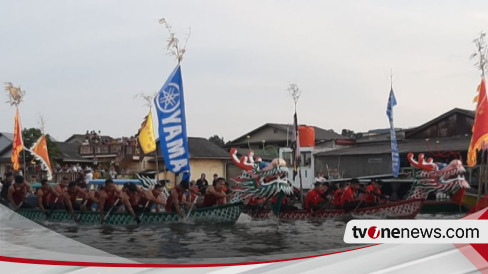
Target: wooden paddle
{"x": 110, "y": 210}
{"x": 142, "y": 213}
{"x": 191, "y": 207}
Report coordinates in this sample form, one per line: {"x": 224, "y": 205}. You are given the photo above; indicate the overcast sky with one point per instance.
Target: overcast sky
{"x": 82, "y": 62}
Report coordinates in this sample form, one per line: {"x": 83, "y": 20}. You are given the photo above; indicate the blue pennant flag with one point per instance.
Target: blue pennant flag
{"x": 170, "y": 106}
{"x": 395, "y": 157}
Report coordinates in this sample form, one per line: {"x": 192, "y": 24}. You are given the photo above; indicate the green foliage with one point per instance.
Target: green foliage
{"x": 217, "y": 140}
{"x": 350, "y": 133}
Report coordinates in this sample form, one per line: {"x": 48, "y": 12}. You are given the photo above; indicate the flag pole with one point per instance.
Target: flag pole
{"x": 156, "y": 176}
{"x": 300, "y": 161}
{"x": 480, "y": 179}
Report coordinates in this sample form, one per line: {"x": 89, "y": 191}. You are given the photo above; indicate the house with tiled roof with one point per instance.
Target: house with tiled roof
{"x": 268, "y": 140}
{"x": 205, "y": 157}
{"x": 280, "y": 136}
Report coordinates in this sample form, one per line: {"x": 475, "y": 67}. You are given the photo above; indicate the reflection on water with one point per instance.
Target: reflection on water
{"x": 197, "y": 243}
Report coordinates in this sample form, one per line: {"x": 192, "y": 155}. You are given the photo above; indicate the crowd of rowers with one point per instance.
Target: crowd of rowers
{"x": 349, "y": 196}
{"x": 75, "y": 196}
{"x": 325, "y": 195}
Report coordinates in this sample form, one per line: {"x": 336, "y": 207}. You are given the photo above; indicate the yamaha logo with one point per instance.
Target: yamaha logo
{"x": 168, "y": 100}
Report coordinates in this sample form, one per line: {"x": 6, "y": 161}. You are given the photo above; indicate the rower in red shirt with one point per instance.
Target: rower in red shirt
{"x": 314, "y": 199}
{"x": 348, "y": 199}
{"x": 338, "y": 196}
{"x": 70, "y": 198}
{"x": 153, "y": 196}
{"x": 215, "y": 194}
{"x": 176, "y": 197}
{"x": 372, "y": 193}
{"x": 17, "y": 193}
{"x": 45, "y": 196}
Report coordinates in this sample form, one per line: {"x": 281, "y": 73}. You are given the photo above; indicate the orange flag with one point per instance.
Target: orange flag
{"x": 17, "y": 144}
{"x": 479, "y": 140}
{"x": 39, "y": 149}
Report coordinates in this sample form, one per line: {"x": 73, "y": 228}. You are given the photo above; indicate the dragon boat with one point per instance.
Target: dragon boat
{"x": 432, "y": 178}
{"x": 405, "y": 209}
{"x": 222, "y": 214}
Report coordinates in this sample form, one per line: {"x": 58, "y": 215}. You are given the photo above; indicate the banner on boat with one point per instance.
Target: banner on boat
{"x": 173, "y": 139}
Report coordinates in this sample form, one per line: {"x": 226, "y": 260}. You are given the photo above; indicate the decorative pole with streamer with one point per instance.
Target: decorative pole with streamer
{"x": 15, "y": 97}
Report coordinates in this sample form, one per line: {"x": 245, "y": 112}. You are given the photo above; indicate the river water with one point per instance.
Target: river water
{"x": 247, "y": 240}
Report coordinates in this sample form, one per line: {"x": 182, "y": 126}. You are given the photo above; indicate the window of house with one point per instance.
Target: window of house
{"x": 306, "y": 159}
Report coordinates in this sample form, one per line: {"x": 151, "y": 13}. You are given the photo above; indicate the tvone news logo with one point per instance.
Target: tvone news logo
{"x": 373, "y": 232}
{"x": 416, "y": 231}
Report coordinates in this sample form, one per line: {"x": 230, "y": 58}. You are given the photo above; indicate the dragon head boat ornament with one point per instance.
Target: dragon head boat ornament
{"x": 260, "y": 179}
{"x": 437, "y": 177}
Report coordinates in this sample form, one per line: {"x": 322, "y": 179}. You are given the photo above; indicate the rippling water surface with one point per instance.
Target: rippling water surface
{"x": 247, "y": 240}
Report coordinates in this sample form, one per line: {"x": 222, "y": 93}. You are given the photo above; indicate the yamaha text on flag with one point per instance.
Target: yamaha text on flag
{"x": 395, "y": 157}
{"x": 170, "y": 107}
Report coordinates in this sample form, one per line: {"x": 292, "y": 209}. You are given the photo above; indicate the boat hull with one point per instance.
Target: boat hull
{"x": 228, "y": 213}
{"x": 406, "y": 209}
{"x": 433, "y": 207}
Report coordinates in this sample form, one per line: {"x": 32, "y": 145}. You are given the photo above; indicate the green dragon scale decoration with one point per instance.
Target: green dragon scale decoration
{"x": 260, "y": 179}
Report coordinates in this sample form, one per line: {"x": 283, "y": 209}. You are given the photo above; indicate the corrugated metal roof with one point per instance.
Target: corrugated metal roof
{"x": 404, "y": 146}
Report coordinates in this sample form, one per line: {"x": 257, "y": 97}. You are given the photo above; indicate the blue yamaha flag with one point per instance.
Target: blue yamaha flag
{"x": 395, "y": 157}
{"x": 170, "y": 105}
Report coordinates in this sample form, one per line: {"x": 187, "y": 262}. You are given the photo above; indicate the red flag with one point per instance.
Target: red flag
{"x": 17, "y": 144}
{"x": 39, "y": 149}
{"x": 479, "y": 140}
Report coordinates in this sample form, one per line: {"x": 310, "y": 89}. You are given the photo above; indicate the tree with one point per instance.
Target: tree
{"x": 217, "y": 140}
{"x": 347, "y": 132}
{"x": 350, "y": 133}
{"x": 30, "y": 136}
